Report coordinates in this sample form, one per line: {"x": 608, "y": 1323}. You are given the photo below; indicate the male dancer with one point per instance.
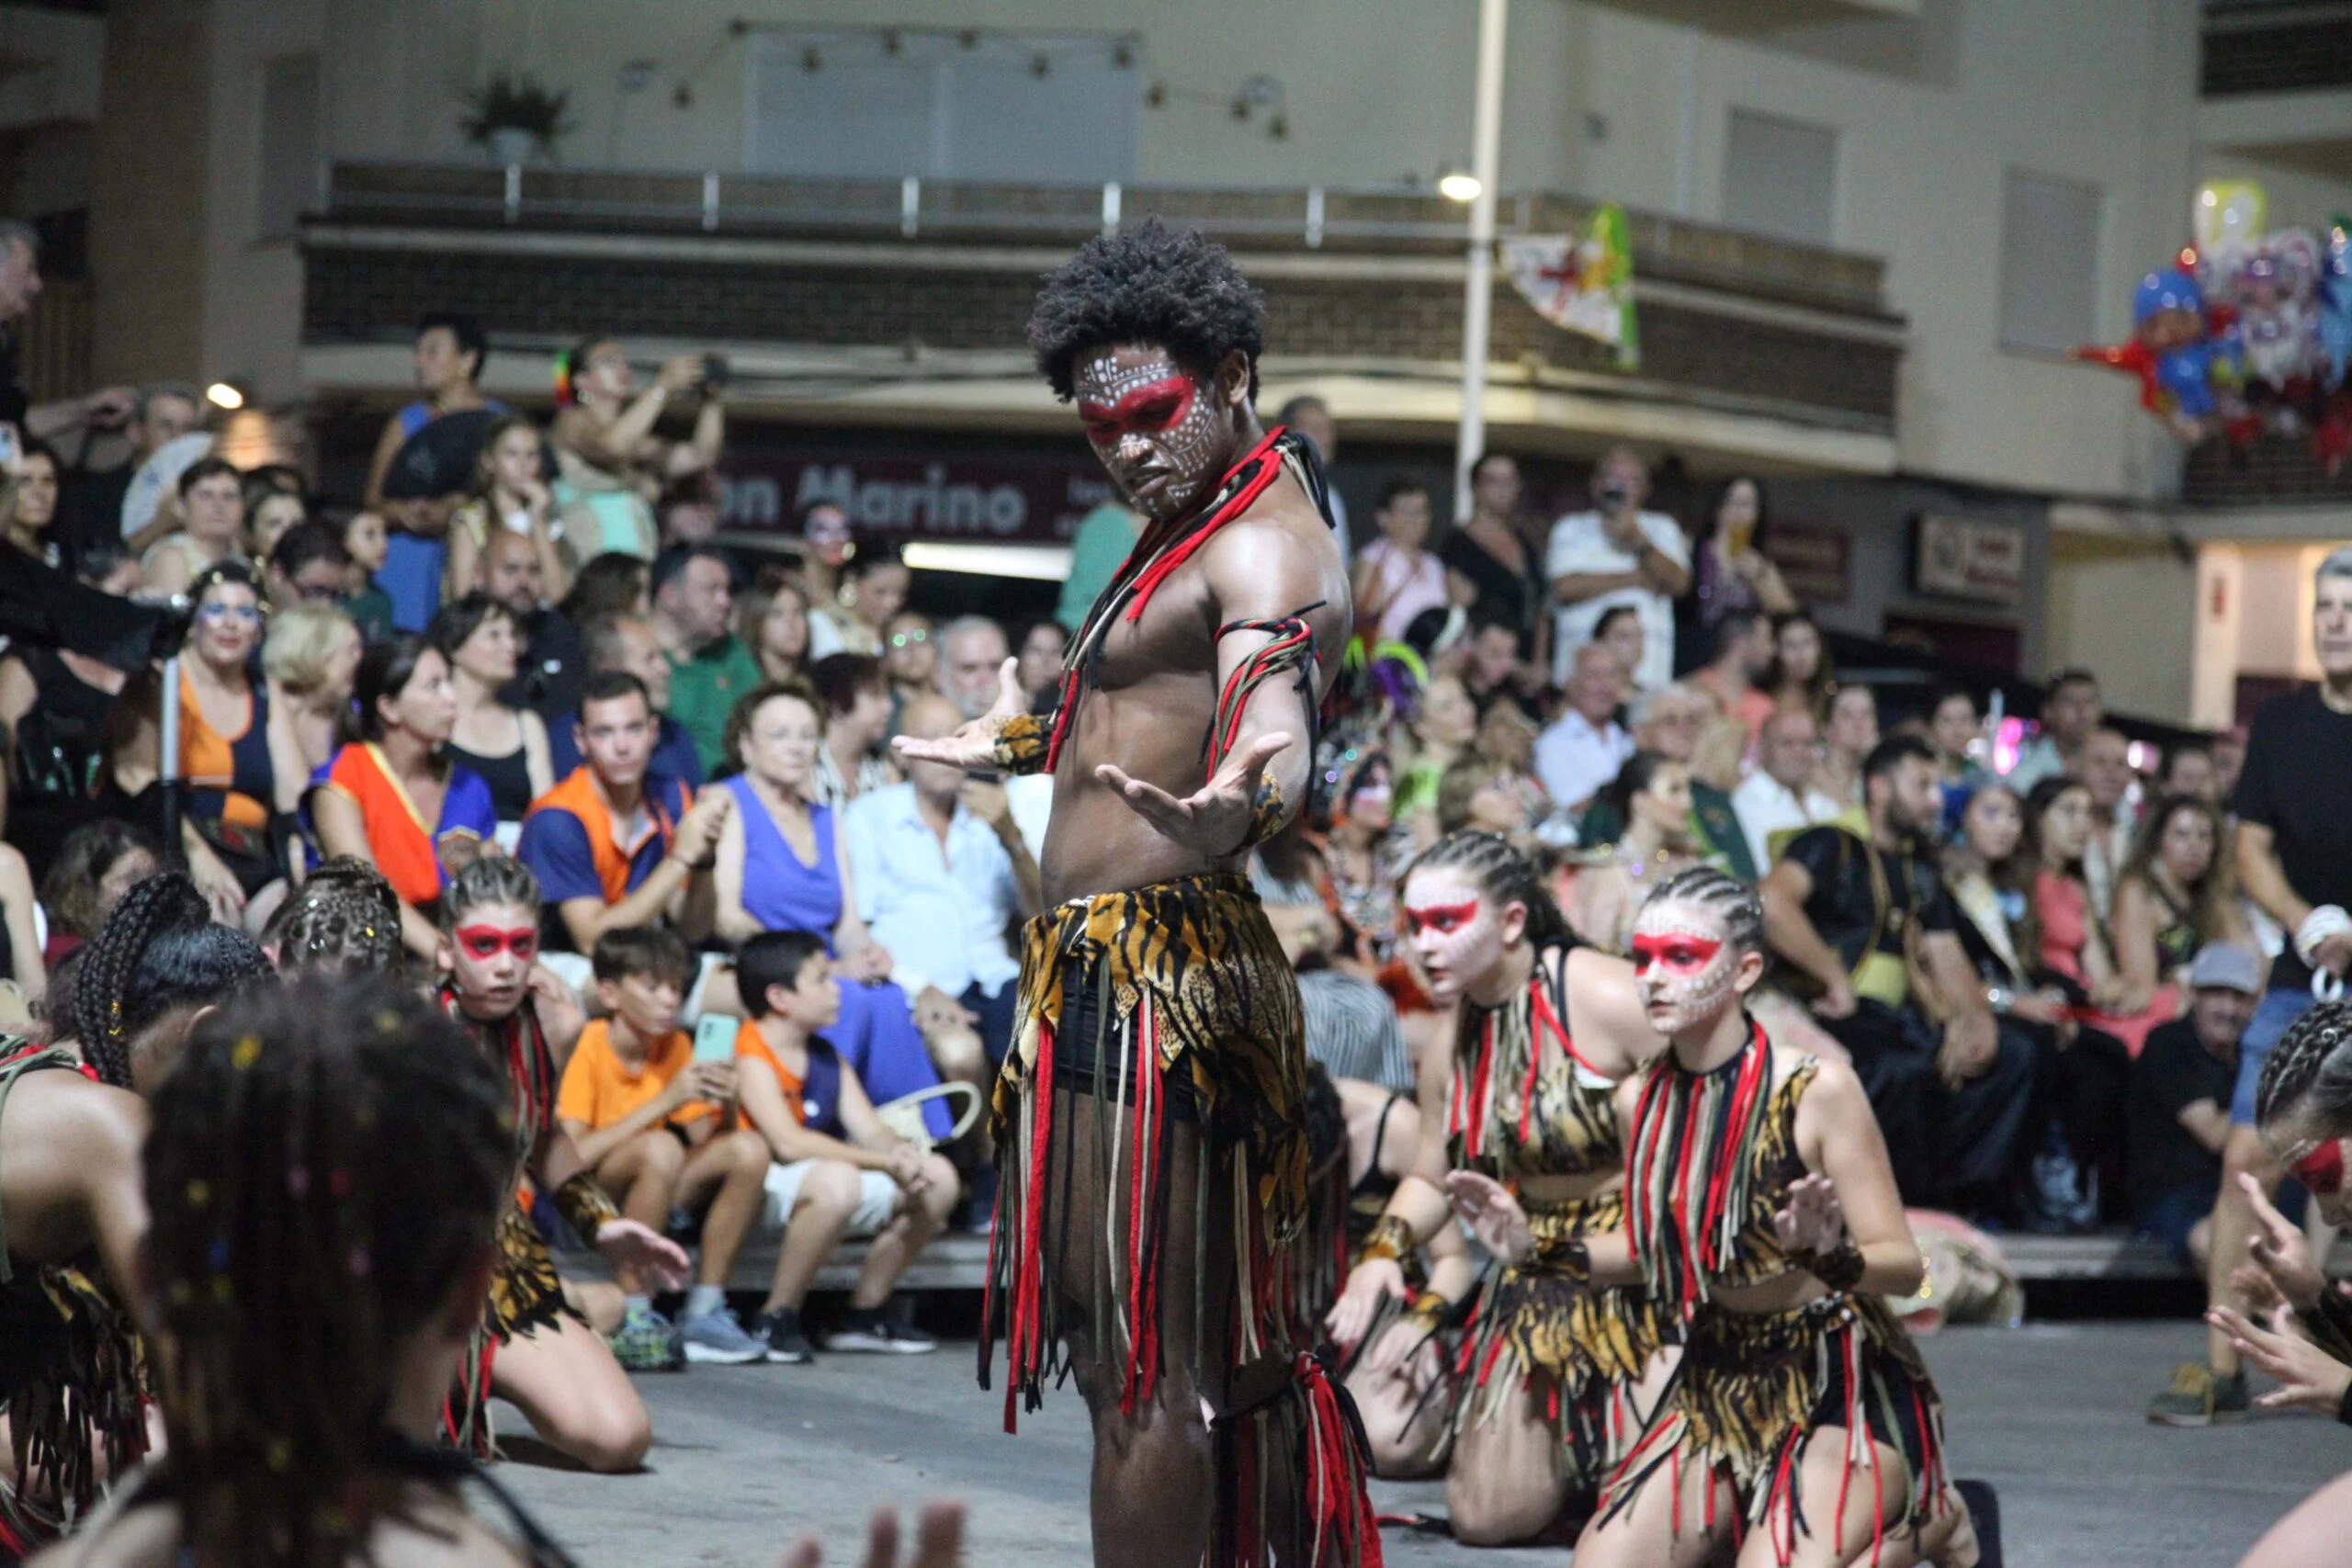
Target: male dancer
{"x": 1150, "y": 1118}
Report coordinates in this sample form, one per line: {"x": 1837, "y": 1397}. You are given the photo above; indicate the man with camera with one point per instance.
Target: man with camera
{"x": 1618, "y": 554}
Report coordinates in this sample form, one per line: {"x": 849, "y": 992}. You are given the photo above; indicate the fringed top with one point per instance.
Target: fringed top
{"x": 1524, "y": 1102}
{"x": 519, "y": 1041}
{"x": 1713, "y": 1156}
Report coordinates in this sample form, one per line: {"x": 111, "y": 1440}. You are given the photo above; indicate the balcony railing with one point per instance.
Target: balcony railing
{"x": 1324, "y": 218}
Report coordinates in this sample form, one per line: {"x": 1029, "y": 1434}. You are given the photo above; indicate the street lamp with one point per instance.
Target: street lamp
{"x": 1456, "y": 185}
{"x": 1478, "y": 188}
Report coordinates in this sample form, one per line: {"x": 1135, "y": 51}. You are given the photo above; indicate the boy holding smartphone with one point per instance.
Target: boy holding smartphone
{"x": 660, "y": 1130}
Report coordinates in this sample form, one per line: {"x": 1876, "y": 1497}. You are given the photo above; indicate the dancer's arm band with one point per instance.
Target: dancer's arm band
{"x": 1392, "y": 1237}
{"x": 1020, "y": 745}
{"x": 1429, "y": 1309}
{"x": 1267, "y": 817}
{"x": 1841, "y": 1269}
{"x": 584, "y": 1205}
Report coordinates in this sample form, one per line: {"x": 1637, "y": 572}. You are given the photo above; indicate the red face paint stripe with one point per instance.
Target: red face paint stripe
{"x": 1109, "y": 423}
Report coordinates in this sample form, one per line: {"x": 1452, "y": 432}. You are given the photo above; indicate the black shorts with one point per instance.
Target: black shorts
{"x": 1075, "y": 1066}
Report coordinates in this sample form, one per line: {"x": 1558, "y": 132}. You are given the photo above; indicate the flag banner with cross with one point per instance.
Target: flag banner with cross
{"x": 1582, "y": 283}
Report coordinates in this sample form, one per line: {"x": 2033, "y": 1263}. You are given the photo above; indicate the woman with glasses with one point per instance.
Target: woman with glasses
{"x": 909, "y": 658}
{"x": 395, "y": 776}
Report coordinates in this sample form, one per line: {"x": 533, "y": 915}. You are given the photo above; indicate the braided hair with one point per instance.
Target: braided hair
{"x": 326, "y": 1165}
{"x": 158, "y": 951}
{"x": 344, "y": 919}
{"x": 2310, "y": 1075}
{"x": 491, "y": 879}
{"x": 1506, "y": 875}
{"x": 1725, "y": 897}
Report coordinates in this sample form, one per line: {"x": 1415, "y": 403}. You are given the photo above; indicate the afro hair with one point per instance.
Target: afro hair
{"x": 1152, "y": 285}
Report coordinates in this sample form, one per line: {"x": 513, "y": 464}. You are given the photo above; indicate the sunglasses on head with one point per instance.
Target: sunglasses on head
{"x": 485, "y": 942}
{"x": 908, "y": 639}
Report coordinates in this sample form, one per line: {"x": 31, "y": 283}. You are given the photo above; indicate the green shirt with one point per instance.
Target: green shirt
{"x": 370, "y": 610}
{"x": 705, "y": 689}
{"x": 1104, "y": 539}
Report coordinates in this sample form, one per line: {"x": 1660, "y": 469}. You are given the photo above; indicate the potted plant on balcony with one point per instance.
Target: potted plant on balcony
{"x": 513, "y": 114}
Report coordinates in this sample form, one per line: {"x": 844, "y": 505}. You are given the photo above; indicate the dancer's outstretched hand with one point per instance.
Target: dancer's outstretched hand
{"x": 1493, "y": 1215}
{"x": 1215, "y": 819}
{"x": 1813, "y": 1220}
{"x": 939, "y": 1540}
{"x": 1369, "y": 1283}
{"x": 2278, "y": 1245}
{"x": 972, "y": 747}
{"x": 2308, "y": 1376}
{"x": 627, "y": 1245}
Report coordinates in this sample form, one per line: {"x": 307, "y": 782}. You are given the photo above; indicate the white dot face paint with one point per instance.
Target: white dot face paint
{"x": 1455, "y": 929}
{"x": 1156, "y": 429}
{"x": 1683, "y": 966}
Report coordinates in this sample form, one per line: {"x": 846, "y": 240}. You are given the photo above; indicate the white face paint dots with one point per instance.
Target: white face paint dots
{"x": 1683, "y": 966}
{"x": 1155, "y": 427}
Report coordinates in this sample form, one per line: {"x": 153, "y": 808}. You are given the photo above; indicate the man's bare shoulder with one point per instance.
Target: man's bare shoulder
{"x": 1276, "y": 559}
{"x": 74, "y": 1116}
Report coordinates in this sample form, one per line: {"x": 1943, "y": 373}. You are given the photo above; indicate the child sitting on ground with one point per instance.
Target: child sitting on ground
{"x": 840, "y": 1171}
{"x": 660, "y": 1131}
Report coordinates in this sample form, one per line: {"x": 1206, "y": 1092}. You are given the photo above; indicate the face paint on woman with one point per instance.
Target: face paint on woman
{"x": 1682, "y": 966}
{"x": 1456, "y": 930}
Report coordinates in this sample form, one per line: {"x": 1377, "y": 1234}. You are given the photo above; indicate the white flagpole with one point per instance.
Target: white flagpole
{"x": 1478, "y": 299}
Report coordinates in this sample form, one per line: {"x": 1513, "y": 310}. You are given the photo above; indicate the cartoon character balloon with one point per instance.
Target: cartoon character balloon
{"x": 2171, "y": 351}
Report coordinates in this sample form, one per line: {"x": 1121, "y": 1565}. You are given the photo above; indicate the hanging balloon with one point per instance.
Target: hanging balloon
{"x": 2229, "y": 215}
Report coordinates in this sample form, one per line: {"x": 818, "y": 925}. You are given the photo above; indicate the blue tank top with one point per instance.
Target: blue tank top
{"x": 780, "y": 890}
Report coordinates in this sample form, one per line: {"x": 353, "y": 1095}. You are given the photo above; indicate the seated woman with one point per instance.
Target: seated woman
{"x": 98, "y": 862}
{"x": 54, "y": 706}
{"x": 506, "y": 748}
{"x": 394, "y": 776}
{"x": 212, "y": 528}
{"x": 856, "y": 696}
{"x": 510, "y": 492}
{"x": 30, "y": 503}
{"x": 774, "y": 624}
{"x": 2070, "y": 949}
{"x": 2174, "y": 895}
{"x": 237, "y": 842}
{"x": 611, "y": 461}
{"x": 310, "y": 656}
{"x": 1652, "y": 796}
{"x": 1990, "y": 870}
{"x": 782, "y": 868}
{"x": 608, "y": 585}
{"x": 272, "y": 511}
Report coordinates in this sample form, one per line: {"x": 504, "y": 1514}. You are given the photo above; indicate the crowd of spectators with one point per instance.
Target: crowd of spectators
{"x": 539, "y": 649}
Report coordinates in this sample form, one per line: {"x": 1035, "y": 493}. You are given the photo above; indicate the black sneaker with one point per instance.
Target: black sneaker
{"x": 780, "y": 1331}
{"x": 877, "y": 1332}
{"x": 2199, "y": 1398}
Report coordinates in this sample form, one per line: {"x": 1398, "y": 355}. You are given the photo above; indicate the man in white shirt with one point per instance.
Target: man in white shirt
{"x": 1776, "y": 799}
{"x": 1618, "y": 554}
{"x": 1585, "y": 746}
{"x": 940, "y": 874}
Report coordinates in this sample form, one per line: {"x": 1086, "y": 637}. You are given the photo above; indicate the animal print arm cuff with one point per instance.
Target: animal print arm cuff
{"x": 1429, "y": 1309}
{"x": 1266, "y": 818}
{"x": 584, "y": 1205}
{"x": 1392, "y": 1237}
{"x": 1565, "y": 1257}
{"x": 1841, "y": 1269}
{"x": 1021, "y": 745}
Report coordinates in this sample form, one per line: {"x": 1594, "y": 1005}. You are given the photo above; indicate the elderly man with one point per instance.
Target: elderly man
{"x": 694, "y": 610}
{"x": 91, "y": 506}
{"x": 1778, "y": 801}
{"x": 1583, "y": 749}
{"x": 1670, "y": 722}
{"x": 547, "y": 674}
{"x": 972, "y": 649}
{"x": 1618, "y": 554}
{"x": 20, "y": 287}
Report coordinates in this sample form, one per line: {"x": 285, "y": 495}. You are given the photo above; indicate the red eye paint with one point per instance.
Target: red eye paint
{"x": 2322, "y": 1171}
{"x": 1675, "y": 954}
{"x": 1444, "y": 919}
{"x": 483, "y": 944}
{"x": 1148, "y": 409}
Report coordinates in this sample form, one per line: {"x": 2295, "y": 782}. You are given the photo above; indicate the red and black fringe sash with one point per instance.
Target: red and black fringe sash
{"x": 1503, "y": 1054}
{"x": 1690, "y": 1169}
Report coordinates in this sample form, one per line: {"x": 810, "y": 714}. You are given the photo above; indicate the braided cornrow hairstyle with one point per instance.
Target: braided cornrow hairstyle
{"x": 491, "y": 879}
{"x": 1506, "y": 875}
{"x": 1725, "y": 897}
{"x": 344, "y": 919}
{"x": 117, "y": 988}
{"x": 2308, "y": 1076}
{"x": 326, "y": 1165}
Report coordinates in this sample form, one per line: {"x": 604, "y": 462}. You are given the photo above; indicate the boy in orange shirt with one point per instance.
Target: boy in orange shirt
{"x": 840, "y": 1171}
{"x": 660, "y": 1131}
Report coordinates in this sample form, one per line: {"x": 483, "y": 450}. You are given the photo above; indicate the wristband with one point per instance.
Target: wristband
{"x": 1429, "y": 1309}
{"x": 1840, "y": 1267}
{"x": 1266, "y": 818}
{"x": 584, "y": 1205}
{"x": 1021, "y": 745}
{"x": 1391, "y": 1238}
{"x": 1565, "y": 1256}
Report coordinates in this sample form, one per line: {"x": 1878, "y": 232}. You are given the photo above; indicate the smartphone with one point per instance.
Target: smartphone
{"x": 715, "y": 1037}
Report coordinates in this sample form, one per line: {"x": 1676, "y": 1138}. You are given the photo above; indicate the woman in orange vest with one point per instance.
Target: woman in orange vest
{"x": 392, "y": 795}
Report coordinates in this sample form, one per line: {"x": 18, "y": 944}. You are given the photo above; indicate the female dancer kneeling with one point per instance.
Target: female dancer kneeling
{"x": 1545, "y": 1030}
{"x": 531, "y": 1347}
{"x": 1799, "y": 1406}
{"x": 327, "y": 1168}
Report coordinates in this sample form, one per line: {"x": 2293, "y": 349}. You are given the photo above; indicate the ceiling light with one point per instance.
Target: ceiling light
{"x": 1456, "y": 185}
{"x": 223, "y": 396}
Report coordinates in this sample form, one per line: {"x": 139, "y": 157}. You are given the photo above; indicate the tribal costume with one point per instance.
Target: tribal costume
{"x": 1522, "y": 1109}
{"x": 524, "y": 1292}
{"x": 1712, "y": 1158}
{"x": 1166, "y": 1003}
{"x": 72, "y": 1369}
